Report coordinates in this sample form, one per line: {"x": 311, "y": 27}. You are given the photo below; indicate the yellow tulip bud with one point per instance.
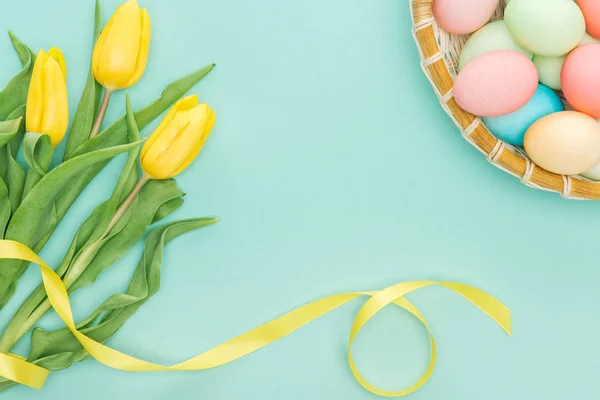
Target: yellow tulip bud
{"x": 121, "y": 53}
{"x": 48, "y": 101}
{"x": 178, "y": 139}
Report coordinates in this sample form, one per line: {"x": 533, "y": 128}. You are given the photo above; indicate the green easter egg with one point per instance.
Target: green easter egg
{"x": 549, "y": 69}
{"x": 547, "y": 28}
{"x": 493, "y": 36}
{"x": 589, "y": 39}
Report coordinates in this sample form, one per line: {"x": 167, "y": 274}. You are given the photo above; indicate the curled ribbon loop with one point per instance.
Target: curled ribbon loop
{"x": 19, "y": 370}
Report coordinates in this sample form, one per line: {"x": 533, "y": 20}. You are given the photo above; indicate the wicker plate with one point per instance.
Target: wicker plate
{"x": 439, "y": 58}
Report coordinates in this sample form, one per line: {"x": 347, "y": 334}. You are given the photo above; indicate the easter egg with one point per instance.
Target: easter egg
{"x": 589, "y": 39}
{"x": 547, "y": 28}
{"x": 493, "y": 36}
{"x": 550, "y": 68}
{"x": 594, "y": 173}
{"x": 496, "y": 83}
{"x": 463, "y": 16}
{"x": 566, "y": 143}
{"x": 580, "y": 79}
{"x": 591, "y": 12}
{"x": 511, "y": 128}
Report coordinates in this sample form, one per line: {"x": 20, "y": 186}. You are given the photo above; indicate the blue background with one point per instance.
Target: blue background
{"x": 333, "y": 169}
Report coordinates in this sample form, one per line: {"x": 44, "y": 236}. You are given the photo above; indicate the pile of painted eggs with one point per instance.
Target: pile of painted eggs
{"x": 511, "y": 70}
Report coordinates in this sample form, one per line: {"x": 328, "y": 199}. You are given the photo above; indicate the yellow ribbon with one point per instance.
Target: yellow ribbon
{"x": 19, "y": 370}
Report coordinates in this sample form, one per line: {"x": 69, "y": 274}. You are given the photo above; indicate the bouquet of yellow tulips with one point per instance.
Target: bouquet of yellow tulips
{"x": 35, "y": 195}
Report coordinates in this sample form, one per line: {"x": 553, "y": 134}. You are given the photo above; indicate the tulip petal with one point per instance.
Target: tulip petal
{"x": 120, "y": 48}
{"x": 179, "y": 138}
{"x": 58, "y": 55}
{"x": 144, "y": 49}
{"x": 193, "y": 153}
{"x": 98, "y": 50}
{"x": 187, "y": 102}
{"x": 183, "y": 104}
{"x": 188, "y": 143}
{"x": 55, "y": 102}
{"x": 166, "y": 138}
{"x": 157, "y": 132}
{"x": 35, "y": 107}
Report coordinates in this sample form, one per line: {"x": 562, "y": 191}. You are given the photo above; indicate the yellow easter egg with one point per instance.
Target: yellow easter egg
{"x": 566, "y": 143}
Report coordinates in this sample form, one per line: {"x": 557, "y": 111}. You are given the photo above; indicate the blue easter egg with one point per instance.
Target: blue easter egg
{"x": 511, "y": 128}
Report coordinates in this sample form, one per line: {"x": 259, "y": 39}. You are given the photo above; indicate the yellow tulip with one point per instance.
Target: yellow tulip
{"x": 178, "y": 139}
{"x": 121, "y": 53}
{"x": 48, "y": 101}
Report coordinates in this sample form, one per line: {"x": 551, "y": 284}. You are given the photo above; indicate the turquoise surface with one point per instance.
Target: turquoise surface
{"x": 333, "y": 169}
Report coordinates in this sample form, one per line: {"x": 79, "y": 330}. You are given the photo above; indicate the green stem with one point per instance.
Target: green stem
{"x": 101, "y": 113}
{"x": 17, "y": 327}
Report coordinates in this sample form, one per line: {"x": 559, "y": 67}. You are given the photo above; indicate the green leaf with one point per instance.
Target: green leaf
{"x": 25, "y": 54}
{"x": 15, "y": 180}
{"x": 5, "y": 209}
{"x": 14, "y": 94}
{"x": 19, "y": 113}
{"x": 42, "y": 196}
{"x": 59, "y": 349}
{"x": 88, "y": 104}
{"x": 8, "y": 131}
{"x": 14, "y": 97}
{"x": 26, "y": 219}
{"x": 167, "y": 208}
{"x": 38, "y": 152}
{"x": 44, "y": 231}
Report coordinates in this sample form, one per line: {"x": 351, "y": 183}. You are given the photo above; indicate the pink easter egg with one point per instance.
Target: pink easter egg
{"x": 580, "y": 79}
{"x": 463, "y": 16}
{"x": 591, "y": 12}
{"x": 496, "y": 83}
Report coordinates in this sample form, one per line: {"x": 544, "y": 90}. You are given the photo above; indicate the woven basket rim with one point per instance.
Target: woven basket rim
{"x": 508, "y": 158}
